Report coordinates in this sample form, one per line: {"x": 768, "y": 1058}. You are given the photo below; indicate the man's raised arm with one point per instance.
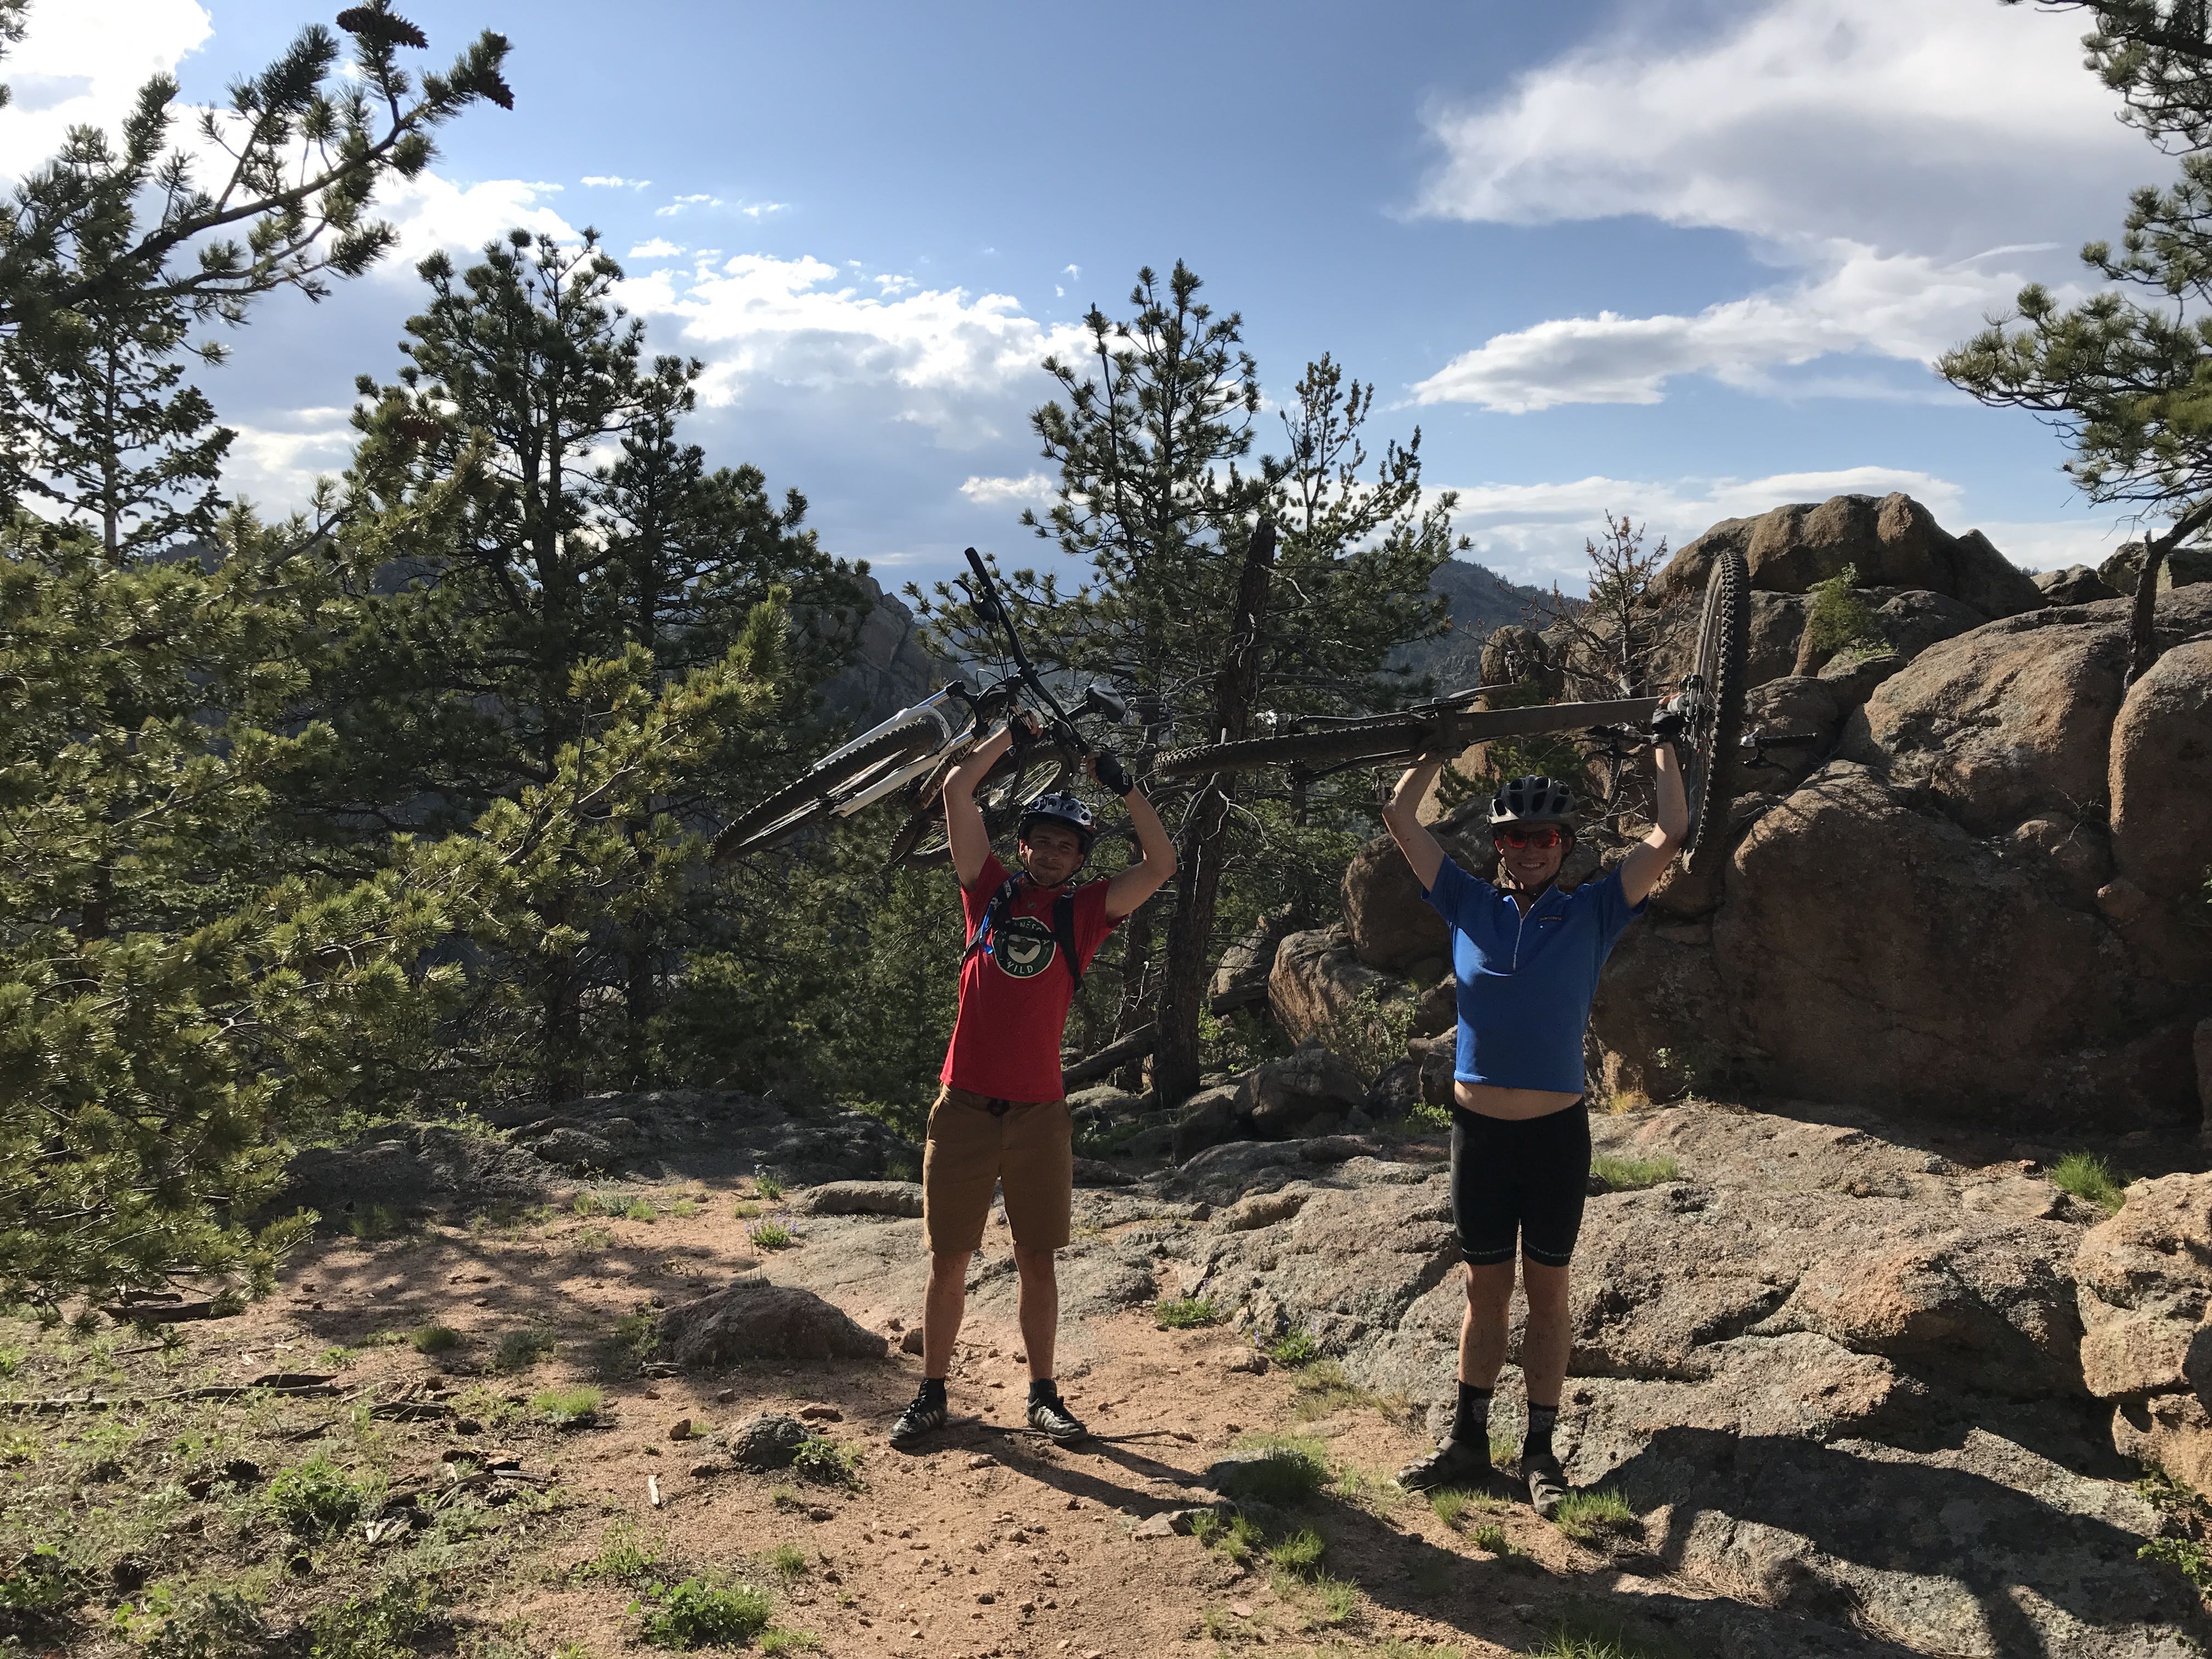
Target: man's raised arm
{"x": 964, "y": 820}
{"x": 1141, "y": 880}
{"x": 1402, "y": 817}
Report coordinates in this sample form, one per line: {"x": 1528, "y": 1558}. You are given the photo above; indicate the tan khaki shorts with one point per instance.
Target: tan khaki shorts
{"x": 1029, "y": 1148}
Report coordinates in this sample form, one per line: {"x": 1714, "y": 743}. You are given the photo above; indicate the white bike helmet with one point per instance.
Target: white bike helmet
{"x": 1061, "y": 809}
{"x": 1536, "y": 800}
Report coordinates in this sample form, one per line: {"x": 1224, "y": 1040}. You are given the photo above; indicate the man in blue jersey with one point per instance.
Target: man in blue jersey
{"x": 1527, "y": 957}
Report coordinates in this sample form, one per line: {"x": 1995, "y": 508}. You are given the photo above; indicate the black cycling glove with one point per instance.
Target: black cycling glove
{"x": 1112, "y": 774}
{"x": 1668, "y": 722}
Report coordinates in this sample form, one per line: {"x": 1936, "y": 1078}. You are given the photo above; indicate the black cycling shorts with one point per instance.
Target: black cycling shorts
{"x": 1520, "y": 1182}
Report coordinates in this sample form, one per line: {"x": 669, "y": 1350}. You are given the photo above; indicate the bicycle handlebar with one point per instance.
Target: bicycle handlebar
{"x": 985, "y": 594}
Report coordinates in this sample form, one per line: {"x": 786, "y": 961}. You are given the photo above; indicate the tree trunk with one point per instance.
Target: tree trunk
{"x": 2142, "y": 631}
{"x": 1176, "y": 1062}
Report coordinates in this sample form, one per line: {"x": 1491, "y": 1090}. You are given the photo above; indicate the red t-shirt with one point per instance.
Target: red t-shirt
{"x": 1014, "y": 999}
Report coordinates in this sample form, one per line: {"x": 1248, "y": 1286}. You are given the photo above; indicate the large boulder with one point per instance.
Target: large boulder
{"x": 753, "y": 1319}
{"x": 2161, "y": 774}
{"x": 1317, "y": 981}
{"x": 2145, "y": 1284}
{"x": 1241, "y": 980}
{"x": 1282, "y": 1097}
{"x": 2077, "y": 584}
{"x": 1390, "y": 925}
{"x": 1915, "y": 619}
{"x": 2182, "y": 567}
{"x": 413, "y": 1171}
{"x": 1893, "y": 542}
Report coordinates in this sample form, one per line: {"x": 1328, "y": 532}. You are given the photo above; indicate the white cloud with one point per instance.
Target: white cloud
{"x": 685, "y": 202}
{"x": 658, "y": 248}
{"x": 276, "y": 466}
{"x": 1896, "y": 306}
{"x": 82, "y": 64}
{"x": 1034, "y": 489}
{"x": 960, "y": 366}
{"x": 614, "y": 181}
{"x": 762, "y": 210}
{"x": 432, "y": 212}
{"x": 1884, "y": 153}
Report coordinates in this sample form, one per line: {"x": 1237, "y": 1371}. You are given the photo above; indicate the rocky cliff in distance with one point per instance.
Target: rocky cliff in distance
{"x": 891, "y": 667}
{"x": 1482, "y": 602}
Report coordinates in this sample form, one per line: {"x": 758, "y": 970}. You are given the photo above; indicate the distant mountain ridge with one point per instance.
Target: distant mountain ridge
{"x": 1481, "y": 601}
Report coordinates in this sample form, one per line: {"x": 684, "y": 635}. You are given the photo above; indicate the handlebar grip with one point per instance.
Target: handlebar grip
{"x": 975, "y": 563}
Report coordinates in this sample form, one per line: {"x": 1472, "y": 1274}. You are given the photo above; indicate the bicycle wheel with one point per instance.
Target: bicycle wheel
{"x": 801, "y": 802}
{"x": 1393, "y": 736}
{"x": 1709, "y": 756}
{"x": 1008, "y": 788}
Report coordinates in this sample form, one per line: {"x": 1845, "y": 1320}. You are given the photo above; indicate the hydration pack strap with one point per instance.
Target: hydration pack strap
{"x": 1063, "y": 926}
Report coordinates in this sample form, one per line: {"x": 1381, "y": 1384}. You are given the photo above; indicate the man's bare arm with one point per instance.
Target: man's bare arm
{"x": 1156, "y": 862}
{"x": 1402, "y": 817}
{"x": 963, "y": 819}
{"x": 1641, "y": 870}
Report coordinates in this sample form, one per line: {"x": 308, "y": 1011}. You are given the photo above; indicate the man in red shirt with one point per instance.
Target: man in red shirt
{"x": 1000, "y": 1120}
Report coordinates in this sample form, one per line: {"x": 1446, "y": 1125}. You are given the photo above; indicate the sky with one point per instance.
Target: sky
{"x": 1682, "y": 260}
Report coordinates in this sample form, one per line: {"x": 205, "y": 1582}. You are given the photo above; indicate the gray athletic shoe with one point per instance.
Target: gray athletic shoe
{"x": 918, "y": 1422}
{"x": 1456, "y": 1463}
{"x": 1547, "y": 1483}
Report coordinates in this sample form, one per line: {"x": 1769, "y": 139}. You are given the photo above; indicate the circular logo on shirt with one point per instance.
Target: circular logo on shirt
{"x": 1023, "y": 946}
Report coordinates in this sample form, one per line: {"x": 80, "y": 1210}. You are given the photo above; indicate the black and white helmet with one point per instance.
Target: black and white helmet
{"x": 1061, "y": 809}
{"x": 1538, "y": 800}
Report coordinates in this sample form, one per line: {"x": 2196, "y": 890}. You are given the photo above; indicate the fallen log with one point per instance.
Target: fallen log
{"x": 1119, "y": 1052}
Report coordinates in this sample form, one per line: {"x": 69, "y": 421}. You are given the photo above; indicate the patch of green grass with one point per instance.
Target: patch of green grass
{"x": 1291, "y": 1470}
{"x": 1584, "y": 1515}
{"x": 1490, "y": 1538}
{"x": 745, "y": 1209}
{"x": 824, "y": 1462}
{"x": 316, "y": 1499}
{"x": 570, "y": 1409}
{"x": 1237, "y": 1539}
{"x": 625, "y": 1557}
{"x": 788, "y": 1561}
{"x": 1628, "y": 1175}
{"x": 1296, "y": 1349}
{"x": 1339, "y": 1598}
{"x": 700, "y": 1613}
{"x": 1322, "y": 1390}
{"x": 1449, "y": 1504}
{"x": 1596, "y": 1635}
{"x": 769, "y": 1235}
{"x": 585, "y": 1204}
{"x": 1299, "y": 1554}
{"x": 640, "y": 1209}
{"x": 637, "y": 1330}
{"x": 434, "y": 1339}
{"x": 1395, "y": 1647}
{"x": 900, "y": 1169}
{"x": 11, "y": 1361}
{"x": 1505, "y": 1452}
{"x": 43, "y": 1583}
{"x": 370, "y": 1222}
{"x": 785, "y": 1497}
{"x": 684, "y": 1208}
{"x": 384, "y": 1623}
{"x": 517, "y": 1351}
{"x": 769, "y": 1187}
{"x": 593, "y": 1239}
{"x": 2090, "y": 1179}
{"x": 1183, "y": 1313}
{"x": 335, "y": 1358}
{"x": 776, "y": 1640}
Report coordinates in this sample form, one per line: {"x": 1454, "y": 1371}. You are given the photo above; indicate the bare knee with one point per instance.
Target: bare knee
{"x": 1034, "y": 1264}
{"x": 1489, "y": 1287}
{"x": 1547, "y": 1288}
{"x": 949, "y": 1265}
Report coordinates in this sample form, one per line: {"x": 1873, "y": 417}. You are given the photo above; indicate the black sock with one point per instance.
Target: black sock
{"x": 932, "y": 1389}
{"x": 1540, "y": 1418}
{"x": 1471, "y": 1422}
{"x": 1044, "y": 1391}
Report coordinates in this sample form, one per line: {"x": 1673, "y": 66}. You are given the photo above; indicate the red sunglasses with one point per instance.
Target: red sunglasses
{"x": 1543, "y": 836}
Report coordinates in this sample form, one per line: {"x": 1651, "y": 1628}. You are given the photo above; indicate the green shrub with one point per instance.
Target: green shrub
{"x": 769, "y": 1187}
{"x": 823, "y": 1461}
{"x": 370, "y": 1222}
{"x": 1628, "y": 1175}
{"x": 1300, "y": 1553}
{"x": 684, "y": 1208}
{"x": 1371, "y": 1030}
{"x": 698, "y": 1614}
{"x": 1237, "y": 1538}
{"x": 382, "y": 1625}
{"x": 1183, "y": 1313}
{"x": 569, "y": 1408}
{"x": 640, "y": 1209}
{"x": 585, "y": 1204}
{"x": 1839, "y": 619}
{"x": 517, "y": 1351}
{"x": 769, "y": 1235}
{"x": 1449, "y": 1504}
{"x": 900, "y": 1169}
{"x": 788, "y": 1561}
{"x": 434, "y": 1339}
{"x": 212, "y": 1624}
{"x": 623, "y": 1559}
{"x": 1583, "y": 1515}
{"x": 1296, "y": 1349}
{"x": 1287, "y": 1472}
{"x": 2186, "y": 1556}
{"x": 42, "y": 1583}
{"x": 316, "y": 1499}
{"x": 775, "y": 1639}
{"x": 1490, "y": 1538}
{"x": 590, "y": 1238}
{"x": 11, "y": 1361}
{"x": 2090, "y": 1179}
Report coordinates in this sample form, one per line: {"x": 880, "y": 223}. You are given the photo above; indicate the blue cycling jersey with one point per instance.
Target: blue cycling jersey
{"x": 1526, "y": 982}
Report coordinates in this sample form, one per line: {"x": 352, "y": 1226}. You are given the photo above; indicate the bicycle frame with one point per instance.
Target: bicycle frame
{"x": 935, "y": 709}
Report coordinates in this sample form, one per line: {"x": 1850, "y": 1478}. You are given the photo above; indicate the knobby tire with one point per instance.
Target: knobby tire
{"x": 1391, "y": 738}
{"x": 1723, "y": 629}
{"x": 782, "y": 814}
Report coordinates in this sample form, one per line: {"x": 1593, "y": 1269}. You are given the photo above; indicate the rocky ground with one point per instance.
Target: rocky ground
{"x": 1835, "y": 1372}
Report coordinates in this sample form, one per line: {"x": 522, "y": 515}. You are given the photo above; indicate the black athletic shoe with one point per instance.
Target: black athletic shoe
{"x": 924, "y": 1417}
{"x": 1456, "y": 1463}
{"x": 1547, "y": 1483}
{"x": 1052, "y": 1418}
